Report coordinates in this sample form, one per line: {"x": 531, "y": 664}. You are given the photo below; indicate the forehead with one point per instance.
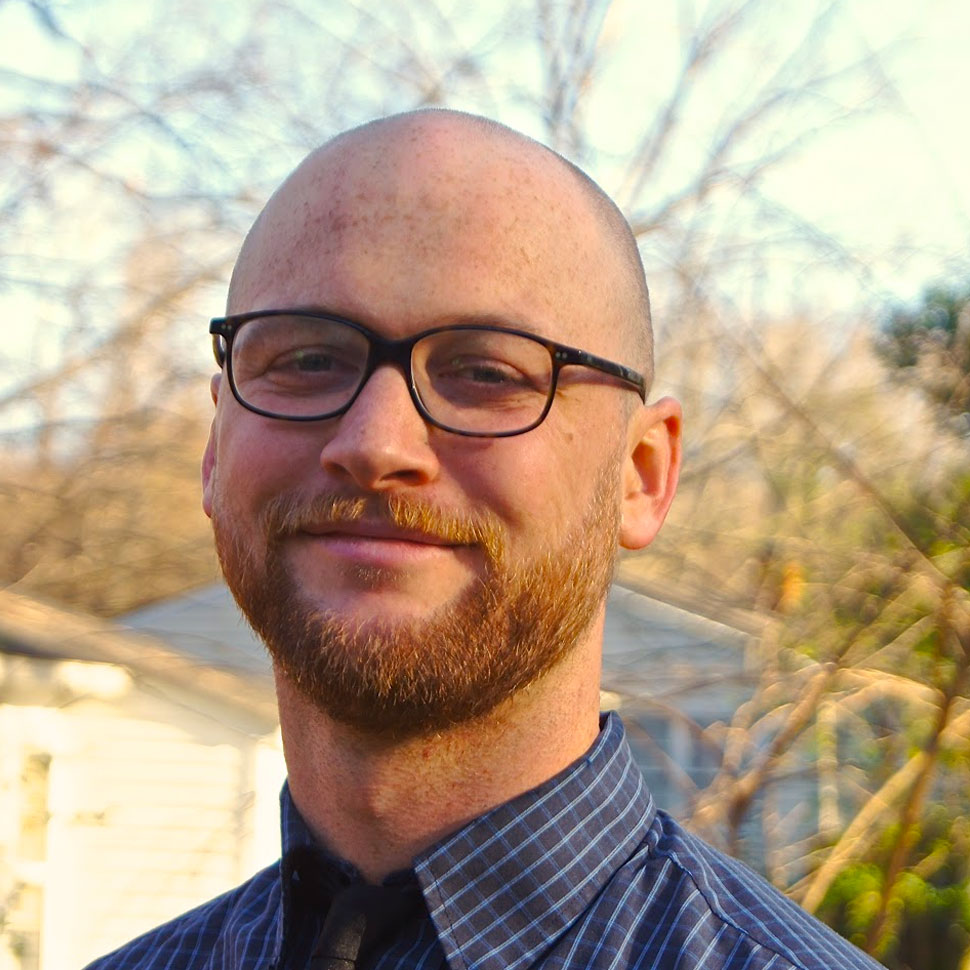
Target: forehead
{"x": 428, "y": 225}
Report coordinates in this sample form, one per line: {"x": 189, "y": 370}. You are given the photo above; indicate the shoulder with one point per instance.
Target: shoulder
{"x": 233, "y": 930}
{"x": 694, "y": 899}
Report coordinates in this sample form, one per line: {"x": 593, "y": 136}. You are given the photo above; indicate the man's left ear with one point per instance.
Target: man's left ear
{"x": 650, "y": 471}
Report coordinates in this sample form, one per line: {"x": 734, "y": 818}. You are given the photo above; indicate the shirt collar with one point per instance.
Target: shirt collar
{"x": 295, "y": 837}
{"x": 506, "y": 886}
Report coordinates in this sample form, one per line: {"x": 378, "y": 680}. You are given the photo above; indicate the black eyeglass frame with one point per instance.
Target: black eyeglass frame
{"x": 382, "y": 350}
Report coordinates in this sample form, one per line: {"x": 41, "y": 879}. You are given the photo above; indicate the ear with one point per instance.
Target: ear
{"x": 650, "y": 472}
{"x": 209, "y": 455}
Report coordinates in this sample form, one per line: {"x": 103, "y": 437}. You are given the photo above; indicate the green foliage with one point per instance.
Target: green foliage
{"x": 937, "y": 316}
{"x": 930, "y": 344}
{"x": 929, "y": 904}
{"x": 891, "y": 624}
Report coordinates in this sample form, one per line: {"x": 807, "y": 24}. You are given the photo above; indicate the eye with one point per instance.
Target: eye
{"x": 312, "y": 369}
{"x": 310, "y": 360}
{"x": 483, "y": 370}
{"x": 298, "y": 354}
{"x": 491, "y": 361}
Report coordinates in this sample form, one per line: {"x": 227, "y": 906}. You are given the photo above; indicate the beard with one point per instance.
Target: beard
{"x": 420, "y": 676}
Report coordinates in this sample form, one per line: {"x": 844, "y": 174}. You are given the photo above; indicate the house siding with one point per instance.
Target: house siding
{"x": 151, "y": 809}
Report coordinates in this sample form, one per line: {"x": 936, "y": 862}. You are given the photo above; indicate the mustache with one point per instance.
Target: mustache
{"x": 287, "y": 515}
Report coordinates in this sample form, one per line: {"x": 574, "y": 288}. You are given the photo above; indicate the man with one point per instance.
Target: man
{"x": 417, "y": 486}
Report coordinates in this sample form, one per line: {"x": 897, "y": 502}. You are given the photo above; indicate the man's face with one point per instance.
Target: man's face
{"x": 406, "y": 577}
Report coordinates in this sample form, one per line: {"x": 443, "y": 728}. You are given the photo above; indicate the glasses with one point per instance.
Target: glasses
{"x": 476, "y": 380}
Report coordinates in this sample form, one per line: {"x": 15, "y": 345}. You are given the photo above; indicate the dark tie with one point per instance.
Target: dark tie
{"x": 359, "y": 918}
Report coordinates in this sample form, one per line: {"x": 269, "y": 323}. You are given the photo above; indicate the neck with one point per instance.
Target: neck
{"x": 379, "y": 803}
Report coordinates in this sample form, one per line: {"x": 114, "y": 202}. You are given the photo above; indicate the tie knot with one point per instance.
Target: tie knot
{"x": 360, "y": 918}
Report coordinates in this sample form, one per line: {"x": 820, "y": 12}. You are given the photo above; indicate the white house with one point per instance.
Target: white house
{"x": 133, "y": 783}
{"x": 140, "y": 763}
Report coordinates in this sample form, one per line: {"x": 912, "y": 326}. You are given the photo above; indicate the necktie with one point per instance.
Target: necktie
{"x": 359, "y": 918}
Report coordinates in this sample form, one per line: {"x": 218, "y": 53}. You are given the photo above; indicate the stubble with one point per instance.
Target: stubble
{"x": 418, "y": 676}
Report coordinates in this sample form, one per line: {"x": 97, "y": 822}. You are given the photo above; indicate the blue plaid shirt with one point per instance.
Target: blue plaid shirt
{"x": 581, "y": 872}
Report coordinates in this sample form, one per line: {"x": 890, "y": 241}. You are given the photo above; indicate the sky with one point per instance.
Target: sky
{"x": 894, "y": 181}
{"x": 892, "y": 184}
{"x": 903, "y": 178}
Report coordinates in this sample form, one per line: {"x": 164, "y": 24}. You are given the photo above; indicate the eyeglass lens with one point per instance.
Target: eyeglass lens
{"x": 483, "y": 381}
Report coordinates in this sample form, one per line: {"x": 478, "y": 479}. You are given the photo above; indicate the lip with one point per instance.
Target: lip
{"x": 376, "y": 531}
{"x": 376, "y": 545}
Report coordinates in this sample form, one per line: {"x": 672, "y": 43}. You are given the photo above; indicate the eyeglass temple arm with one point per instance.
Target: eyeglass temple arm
{"x": 570, "y": 355}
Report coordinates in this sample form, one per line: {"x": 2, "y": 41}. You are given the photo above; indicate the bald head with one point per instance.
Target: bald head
{"x": 453, "y": 188}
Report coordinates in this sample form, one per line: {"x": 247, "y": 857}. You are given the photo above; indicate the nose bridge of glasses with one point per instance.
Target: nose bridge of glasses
{"x": 397, "y": 354}
{"x": 394, "y": 353}
{"x": 384, "y": 351}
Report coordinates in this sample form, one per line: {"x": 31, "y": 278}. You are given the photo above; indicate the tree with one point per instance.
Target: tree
{"x": 814, "y": 495}
{"x": 930, "y": 345}
{"x": 143, "y": 153}
{"x": 849, "y": 503}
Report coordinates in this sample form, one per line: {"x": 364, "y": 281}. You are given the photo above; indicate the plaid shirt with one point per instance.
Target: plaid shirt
{"x": 581, "y": 872}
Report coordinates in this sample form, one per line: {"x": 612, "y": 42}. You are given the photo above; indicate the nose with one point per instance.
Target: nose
{"x": 382, "y": 442}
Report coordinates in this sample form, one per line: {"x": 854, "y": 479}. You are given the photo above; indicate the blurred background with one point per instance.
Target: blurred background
{"x": 797, "y": 175}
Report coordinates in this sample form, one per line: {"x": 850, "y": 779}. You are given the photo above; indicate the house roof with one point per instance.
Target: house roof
{"x": 32, "y": 628}
{"x": 652, "y": 647}
{"x": 204, "y": 624}
{"x": 657, "y": 650}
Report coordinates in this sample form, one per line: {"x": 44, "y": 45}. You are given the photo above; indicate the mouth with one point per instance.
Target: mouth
{"x": 394, "y": 528}
{"x": 380, "y": 531}
{"x": 391, "y": 550}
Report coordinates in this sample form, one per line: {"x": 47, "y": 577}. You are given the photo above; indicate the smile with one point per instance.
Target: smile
{"x": 376, "y": 532}
{"x": 375, "y": 546}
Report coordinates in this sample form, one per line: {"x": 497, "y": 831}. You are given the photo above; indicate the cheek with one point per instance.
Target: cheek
{"x": 254, "y": 464}
{"x": 580, "y": 468}
{"x": 526, "y": 482}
